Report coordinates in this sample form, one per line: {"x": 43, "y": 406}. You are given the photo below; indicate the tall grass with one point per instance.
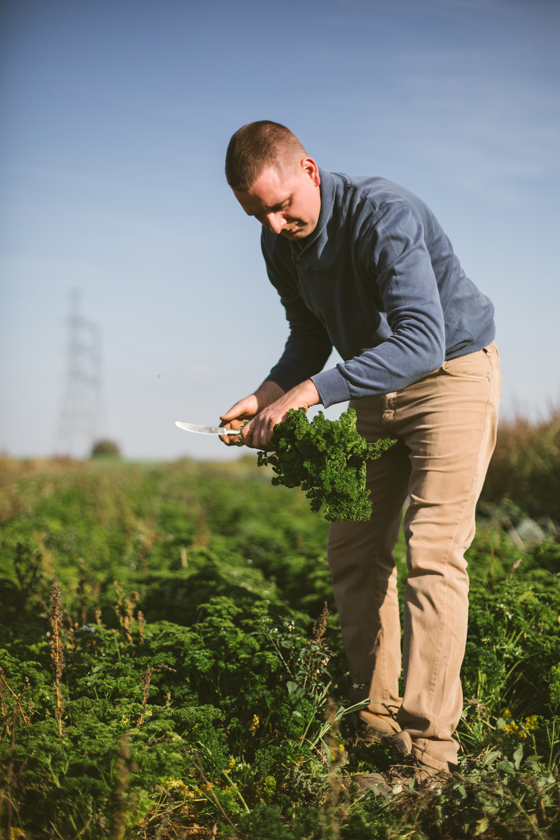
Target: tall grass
{"x": 525, "y": 467}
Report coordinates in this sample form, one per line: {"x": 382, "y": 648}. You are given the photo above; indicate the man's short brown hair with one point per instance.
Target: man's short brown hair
{"x": 257, "y": 146}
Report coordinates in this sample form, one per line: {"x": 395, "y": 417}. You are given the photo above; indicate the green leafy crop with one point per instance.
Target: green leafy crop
{"x": 173, "y": 686}
{"x": 327, "y": 458}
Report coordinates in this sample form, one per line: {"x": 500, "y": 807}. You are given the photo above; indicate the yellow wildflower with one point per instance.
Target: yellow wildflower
{"x": 514, "y": 729}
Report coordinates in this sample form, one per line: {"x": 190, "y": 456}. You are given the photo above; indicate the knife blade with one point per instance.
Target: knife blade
{"x": 206, "y": 430}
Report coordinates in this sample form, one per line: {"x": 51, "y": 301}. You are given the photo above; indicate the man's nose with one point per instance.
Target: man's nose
{"x": 275, "y": 222}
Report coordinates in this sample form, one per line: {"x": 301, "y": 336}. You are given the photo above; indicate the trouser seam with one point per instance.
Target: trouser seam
{"x": 452, "y": 542}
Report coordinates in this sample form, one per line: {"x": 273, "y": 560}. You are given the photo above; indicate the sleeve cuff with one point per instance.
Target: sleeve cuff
{"x": 332, "y": 387}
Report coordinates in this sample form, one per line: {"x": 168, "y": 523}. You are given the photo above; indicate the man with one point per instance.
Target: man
{"x": 364, "y": 265}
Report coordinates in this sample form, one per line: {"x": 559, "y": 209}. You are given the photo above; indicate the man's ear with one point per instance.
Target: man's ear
{"x": 311, "y": 169}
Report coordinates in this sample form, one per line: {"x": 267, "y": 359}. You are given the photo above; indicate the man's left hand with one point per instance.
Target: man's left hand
{"x": 258, "y": 432}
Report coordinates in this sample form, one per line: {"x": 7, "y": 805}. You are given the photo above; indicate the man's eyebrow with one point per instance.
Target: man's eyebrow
{"x": 275, "y": 207}
{"x": 279, "y": 204}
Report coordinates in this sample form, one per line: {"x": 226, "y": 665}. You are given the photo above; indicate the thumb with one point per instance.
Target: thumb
{"x": 247, "y": 407}
{"x": 232, "y": 414}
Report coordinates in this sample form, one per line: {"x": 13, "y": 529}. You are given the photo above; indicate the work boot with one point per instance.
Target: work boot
{"x": 377, "y": 727}
{"x": 400, "y": 743}
{"x": 402, "y": 778}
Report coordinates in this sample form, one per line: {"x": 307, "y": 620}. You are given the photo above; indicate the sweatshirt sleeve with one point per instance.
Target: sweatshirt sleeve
{"x": 308, "y": 346}
{"x": 394, "y": 258}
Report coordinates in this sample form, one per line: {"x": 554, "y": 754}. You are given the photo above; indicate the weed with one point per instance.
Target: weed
{"x": 57, "y": 649}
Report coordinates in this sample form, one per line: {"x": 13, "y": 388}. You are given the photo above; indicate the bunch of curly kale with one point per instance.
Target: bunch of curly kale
{"x": 327, "y": 458}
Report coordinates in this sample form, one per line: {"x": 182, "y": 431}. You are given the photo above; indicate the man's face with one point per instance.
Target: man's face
{"x": 286, "y": 203}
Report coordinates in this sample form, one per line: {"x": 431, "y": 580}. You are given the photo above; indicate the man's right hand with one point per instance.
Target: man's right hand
{"x": 247, "y": 408}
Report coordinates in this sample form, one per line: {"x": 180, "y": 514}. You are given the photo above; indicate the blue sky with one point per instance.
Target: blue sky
{"x": 116, "y": 115}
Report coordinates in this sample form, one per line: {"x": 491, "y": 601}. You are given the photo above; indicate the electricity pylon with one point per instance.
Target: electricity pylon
{"x": 80, "y": 415}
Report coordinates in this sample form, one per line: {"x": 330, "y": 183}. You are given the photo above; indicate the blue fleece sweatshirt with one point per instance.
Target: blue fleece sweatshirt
{"x": 377, "y": 279}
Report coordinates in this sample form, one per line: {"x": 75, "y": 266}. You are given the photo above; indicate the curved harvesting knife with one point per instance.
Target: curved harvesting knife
{"x": 206, "y": 430}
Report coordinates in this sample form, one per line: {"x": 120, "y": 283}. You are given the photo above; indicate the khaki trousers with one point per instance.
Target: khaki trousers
{"x": 446, "y": 429}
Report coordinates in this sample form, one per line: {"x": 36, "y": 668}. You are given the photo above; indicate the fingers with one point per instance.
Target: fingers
{"x": 232, "y": 440}
{"x": 235, "y": 418}
{"x": 261, "y": 427}
{"x": 258, "y": 432}
{"x": 247, "y": 435}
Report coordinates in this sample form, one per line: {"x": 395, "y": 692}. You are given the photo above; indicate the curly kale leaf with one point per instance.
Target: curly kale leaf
{"x": 327, "y": 458}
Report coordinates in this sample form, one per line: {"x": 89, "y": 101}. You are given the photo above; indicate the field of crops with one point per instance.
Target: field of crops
{"x": 171, "y": 665}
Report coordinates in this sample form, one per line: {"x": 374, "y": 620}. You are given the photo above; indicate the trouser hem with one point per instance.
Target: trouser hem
{"x": 421, "y": 756}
